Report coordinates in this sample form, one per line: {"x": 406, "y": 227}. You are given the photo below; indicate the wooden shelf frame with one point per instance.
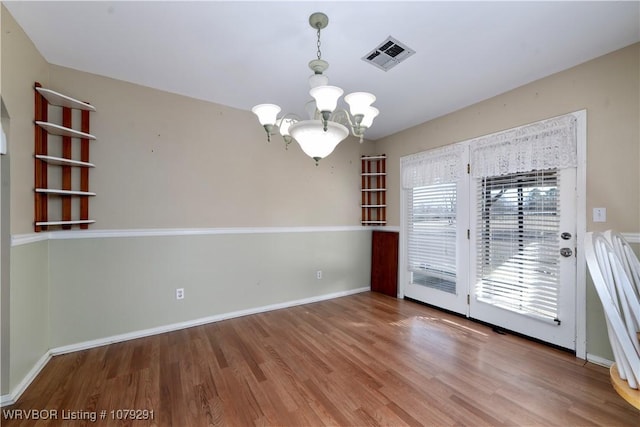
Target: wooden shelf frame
{"x": 373, "y": 203}
{"x": 44, "y": 99}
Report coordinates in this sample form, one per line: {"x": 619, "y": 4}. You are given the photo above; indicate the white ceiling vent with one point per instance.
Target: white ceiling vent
{"x": 388, "y": 54}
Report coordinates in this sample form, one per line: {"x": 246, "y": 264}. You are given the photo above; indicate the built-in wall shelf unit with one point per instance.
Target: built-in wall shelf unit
{"x": 373, "y": 190}
{"x": 61, "y": 161}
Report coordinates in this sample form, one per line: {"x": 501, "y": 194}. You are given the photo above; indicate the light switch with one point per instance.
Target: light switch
{"x": 599, "y": 214}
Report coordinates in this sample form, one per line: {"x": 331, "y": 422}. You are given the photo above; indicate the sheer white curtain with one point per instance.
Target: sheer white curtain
{"x": 435, "y": 166}
{"x": 548, "y": 144}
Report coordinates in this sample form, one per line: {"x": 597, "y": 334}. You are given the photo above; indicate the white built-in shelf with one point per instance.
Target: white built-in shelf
{"x": 72, "y": 222}
{"x": 55, "y": 129}
{"x": 55, "y": 98}
{"x": 64, "y": 192}
{"x": 373, "y": 190}
{"x": 60, "y": 161}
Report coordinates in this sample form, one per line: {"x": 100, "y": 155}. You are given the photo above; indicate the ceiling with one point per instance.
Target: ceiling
{"x": 240, "y": 53}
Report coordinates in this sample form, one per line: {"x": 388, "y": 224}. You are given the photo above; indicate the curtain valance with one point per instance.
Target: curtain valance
{"x": 548, "y": 144}
{"x": 435, "y": 166}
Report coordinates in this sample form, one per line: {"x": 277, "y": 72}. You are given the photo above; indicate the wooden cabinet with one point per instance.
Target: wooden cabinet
{"x": 374, "y": 190}
{"x": 66, "y": 141}
{"x": 384, "y": 262}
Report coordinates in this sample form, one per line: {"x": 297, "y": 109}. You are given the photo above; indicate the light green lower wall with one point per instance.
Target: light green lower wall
{"x": 100, "y": 287}
{"x": 29, "y": 301}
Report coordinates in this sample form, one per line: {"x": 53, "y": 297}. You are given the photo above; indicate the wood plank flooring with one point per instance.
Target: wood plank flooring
{"x": 361, "y": 360}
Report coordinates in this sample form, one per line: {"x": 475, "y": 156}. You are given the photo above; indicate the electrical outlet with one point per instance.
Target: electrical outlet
{"x": 319, "y": 274}
{"x": 180, "y": 293}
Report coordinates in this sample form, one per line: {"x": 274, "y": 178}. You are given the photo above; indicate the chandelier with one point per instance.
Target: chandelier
{"x": 327, "y": 125}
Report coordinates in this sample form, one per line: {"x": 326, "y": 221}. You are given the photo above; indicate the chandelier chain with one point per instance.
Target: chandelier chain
{"x": 319, "y": 53}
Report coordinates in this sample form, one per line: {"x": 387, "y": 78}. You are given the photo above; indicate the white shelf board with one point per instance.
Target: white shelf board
{"x": 55, "y": 129}
{"x": 64, "y": 192}
{"x": 373, "y": 174}
{"x": 60, "y": 161}
{"x": 373, "y": 206}
{"x": 373, "y": 189}
{"x": 373, "y": 157}
{"x": 55, "y": 98}
{"x": 374, "y": 222}
{"x": 72, "y": 222}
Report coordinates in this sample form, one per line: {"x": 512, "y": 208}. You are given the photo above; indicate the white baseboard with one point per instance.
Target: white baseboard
{"x": 599, "y": 360}
{"x": 11, "y": 398}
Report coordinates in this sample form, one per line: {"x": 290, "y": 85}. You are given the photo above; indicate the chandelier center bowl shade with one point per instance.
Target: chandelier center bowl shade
{"x": 328, "y": 124}
{"x": 314, "y": 140}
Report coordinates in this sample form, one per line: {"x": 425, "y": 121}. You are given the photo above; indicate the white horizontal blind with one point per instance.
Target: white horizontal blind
{"x": 518, "y": 242}
{"x": 431, "y": 236}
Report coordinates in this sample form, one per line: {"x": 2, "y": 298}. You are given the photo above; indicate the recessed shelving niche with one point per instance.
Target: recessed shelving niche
{"x": 373, "y": 190}
{"x": 70, "y": 183}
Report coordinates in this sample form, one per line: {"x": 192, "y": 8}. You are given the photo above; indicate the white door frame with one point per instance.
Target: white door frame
{"x": 581, "y": 230}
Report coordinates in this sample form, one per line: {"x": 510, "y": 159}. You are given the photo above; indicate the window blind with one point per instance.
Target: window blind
{"x": 431, "y": 236}
{"x": 518, "y": 242}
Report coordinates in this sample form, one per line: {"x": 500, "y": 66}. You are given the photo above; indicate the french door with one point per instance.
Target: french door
{"x": 437, "y": 244}
{"x": 498, "y": 245}
{"x": 523, "y": 263}
{"x": 436, "y": 232}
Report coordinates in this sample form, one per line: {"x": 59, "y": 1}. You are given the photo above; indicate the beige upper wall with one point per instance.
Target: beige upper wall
{"x": 607, "y": 87}
{"x": 22, "y": 65}
{"x": 169, "y": 161}
{"x": 164, "y": 160}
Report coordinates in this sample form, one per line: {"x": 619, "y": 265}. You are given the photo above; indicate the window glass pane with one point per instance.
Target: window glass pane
{"x": 432, "y": 236}
{"x": 518, "y": 242}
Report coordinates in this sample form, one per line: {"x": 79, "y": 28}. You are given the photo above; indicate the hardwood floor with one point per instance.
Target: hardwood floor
{"x": 361, "y": 360}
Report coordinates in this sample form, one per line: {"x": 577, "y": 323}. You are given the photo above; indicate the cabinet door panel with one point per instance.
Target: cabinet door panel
{"x": 384, "y": 263}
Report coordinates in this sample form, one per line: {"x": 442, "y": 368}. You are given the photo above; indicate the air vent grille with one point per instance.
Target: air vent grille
{"x": 388, "y": 54}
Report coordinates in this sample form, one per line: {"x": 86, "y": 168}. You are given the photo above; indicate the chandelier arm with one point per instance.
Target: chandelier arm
{"x": 343, "y": 117}
{"x": 294, "y": 118}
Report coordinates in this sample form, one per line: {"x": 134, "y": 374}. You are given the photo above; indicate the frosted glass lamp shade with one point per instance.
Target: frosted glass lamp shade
{"x": 316, "y": 142}
{"x": 267, "y": 113}
{"x": 316, "y": 80}
{"x": 326, "y": 97}
{"x": 359, "y": 102}
{"x": 370, "y": 114}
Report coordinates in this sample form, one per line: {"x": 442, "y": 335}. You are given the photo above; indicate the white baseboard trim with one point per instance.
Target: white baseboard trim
{"x": 597, "y": 360}
{"x": 11, "y": 398}
{"x": 28, "y": 379}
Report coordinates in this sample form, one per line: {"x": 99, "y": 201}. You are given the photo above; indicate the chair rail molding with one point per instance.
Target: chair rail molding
{"x": 23, "y": 239}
